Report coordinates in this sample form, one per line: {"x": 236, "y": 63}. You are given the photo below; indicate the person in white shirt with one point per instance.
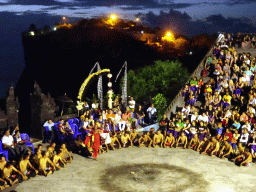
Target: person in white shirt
{"x": 132, "y": 104}
{"x": 247, "y": 126}
{"x": 119, "y": 121}
{"x": 151, "y": 113}
{"x": 194, "y": 117}
{"x": 185, "y": 110}
{"x": 8, "y": 144}
{"x": 95, "y": 105}
{"x": 51, "y": 127}
{"x": 203, "y": 118}
{"x": 244, "y": 137}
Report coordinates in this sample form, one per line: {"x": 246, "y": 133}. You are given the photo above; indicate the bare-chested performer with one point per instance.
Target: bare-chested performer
{"x": 46, "y": 166}
{"x": 65, "y": 151}
{"x": 182, "y": 141}
{"x": 226, "y": 150}
{"x": 114, "y": 140}
{"x": 158, "y": 139}
{"x": 133, "y": 136}
{"x": 145, "y": 140}
{"x": 58, "y": 161}
{"x": 26, "y": 168}
{"x": 244, "y": 159}
{"x": 203, "y": 144}
{"x": 194, "y": 143}
{"x": 169, "y": 141}
{"x": 2, "y": 164}
{"x": 125, "y": 138}
{"x": 51, "y": 150}
{"x": 36, "y": 158}
{"x": 212, "y": 147}
{"x": 3, "y": 184}
{"x": 13, "y": 175}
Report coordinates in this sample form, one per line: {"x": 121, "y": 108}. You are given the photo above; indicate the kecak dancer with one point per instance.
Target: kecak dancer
{"x": 93, "y": 140}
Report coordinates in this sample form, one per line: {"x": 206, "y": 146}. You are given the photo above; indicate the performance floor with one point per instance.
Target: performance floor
{"x": 146, "y": 169}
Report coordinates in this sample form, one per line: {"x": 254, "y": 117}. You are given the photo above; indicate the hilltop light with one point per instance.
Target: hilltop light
{"x": 32, "y": 33}
{"x": 113, "y": 16}
{"x": 55, "y": 28}
{"x": 63, "y": 18}
{"x": 137, "y": 19}
{"x": 168, "y": 37}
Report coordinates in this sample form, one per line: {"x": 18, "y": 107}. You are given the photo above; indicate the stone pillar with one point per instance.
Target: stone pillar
{"x": 42, "y": 107}
{"x": 12, "y": 108}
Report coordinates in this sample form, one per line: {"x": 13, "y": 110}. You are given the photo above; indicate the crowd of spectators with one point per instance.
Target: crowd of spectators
{"x": 218, "y": 119}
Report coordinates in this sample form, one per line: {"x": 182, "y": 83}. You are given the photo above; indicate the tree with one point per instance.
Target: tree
{"x": 165, "y": 77}
{"x": 160, "y": 104}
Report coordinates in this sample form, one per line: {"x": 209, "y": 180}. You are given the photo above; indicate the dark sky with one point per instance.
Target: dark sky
{"x": 189, "y": 17}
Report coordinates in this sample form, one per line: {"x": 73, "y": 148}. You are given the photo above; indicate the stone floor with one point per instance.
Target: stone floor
{"x": 146, "y": 169}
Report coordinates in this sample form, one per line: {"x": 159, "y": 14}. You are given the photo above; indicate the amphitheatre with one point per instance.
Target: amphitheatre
{"x": 136, "y": 169}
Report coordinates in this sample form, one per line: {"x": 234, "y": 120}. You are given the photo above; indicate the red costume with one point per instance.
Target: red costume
{"x": 95, "y": 143}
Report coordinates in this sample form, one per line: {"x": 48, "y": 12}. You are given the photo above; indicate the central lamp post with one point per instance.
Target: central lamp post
{"x": 110, "y": 91}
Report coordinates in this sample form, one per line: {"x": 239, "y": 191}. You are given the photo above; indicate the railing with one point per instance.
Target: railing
{"x": 196, "y": 73}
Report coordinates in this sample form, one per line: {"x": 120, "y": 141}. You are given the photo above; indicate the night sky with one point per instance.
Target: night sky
{"x": 188, "y": 17}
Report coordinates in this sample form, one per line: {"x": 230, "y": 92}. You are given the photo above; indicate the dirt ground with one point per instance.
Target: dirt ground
{"x": 146, "y": 169}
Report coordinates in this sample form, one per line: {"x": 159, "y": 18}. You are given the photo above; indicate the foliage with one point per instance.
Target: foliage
{"x": 160, "y": 104}
{"x": 165, "y": 77}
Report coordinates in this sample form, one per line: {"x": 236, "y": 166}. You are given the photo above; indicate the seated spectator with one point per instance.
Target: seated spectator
{"x": 51, "y": 127}
{"x": 9, "y": 145}
{"x": 152, "y": 113}
{"x": 244, "y": 137}
{"x": 21, "y": 144}
{"x": 16, "y": 128}
{"x": 61, "y": 127}
{"x": 234, "y": 140}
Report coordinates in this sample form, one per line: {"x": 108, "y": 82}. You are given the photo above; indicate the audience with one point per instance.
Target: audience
{"x": 222, "y": 124}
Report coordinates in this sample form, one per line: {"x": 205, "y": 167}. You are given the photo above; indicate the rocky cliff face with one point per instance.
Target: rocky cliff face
{"x": 60, "y": 61}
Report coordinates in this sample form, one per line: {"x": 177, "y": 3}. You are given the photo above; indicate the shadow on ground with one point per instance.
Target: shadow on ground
{"x": 151, "y": 177}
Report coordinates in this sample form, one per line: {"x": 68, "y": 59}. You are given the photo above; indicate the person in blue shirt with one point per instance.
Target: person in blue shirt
{"x": 219, "y": 130}
{"x": 50, "y": 126}
{"x": 236, "y": 125}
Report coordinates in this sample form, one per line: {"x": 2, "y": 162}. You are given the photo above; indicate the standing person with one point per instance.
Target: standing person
{"x": 163, "y": 123}
{"x": 95, "y": 137}
{"x": 131, "y": 104}
{"x": 51, "y": 127}
{"x": 140, "y": 114}
{"x": 9, "y": 145}
{"x": 151, "y": 113}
